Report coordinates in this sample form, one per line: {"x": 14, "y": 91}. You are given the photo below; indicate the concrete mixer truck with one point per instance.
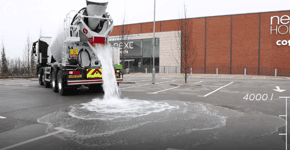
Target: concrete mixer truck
{"x": 69, "y": 59}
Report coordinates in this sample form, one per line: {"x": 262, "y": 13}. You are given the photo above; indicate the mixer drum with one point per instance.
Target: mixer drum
{"x": 56, "y": 46}
{"x": 95, "y": 9}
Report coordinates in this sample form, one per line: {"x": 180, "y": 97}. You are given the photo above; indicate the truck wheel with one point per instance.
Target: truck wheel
{"x": 53, "y": 81}
{"x": 40, "y": 77}
{"x": 46, "y": 84}
{"x": 62, "y": 89}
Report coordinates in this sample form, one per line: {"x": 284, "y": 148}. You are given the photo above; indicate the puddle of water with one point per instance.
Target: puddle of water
{"x": 115, "y": 121}
{"x": 140, "y": 122}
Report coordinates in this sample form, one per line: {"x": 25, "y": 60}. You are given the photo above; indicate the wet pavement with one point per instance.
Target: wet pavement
{"x": 212, "y": 113}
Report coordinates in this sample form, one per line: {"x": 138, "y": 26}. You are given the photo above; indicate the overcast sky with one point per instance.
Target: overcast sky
{"x": 23, "y": 18}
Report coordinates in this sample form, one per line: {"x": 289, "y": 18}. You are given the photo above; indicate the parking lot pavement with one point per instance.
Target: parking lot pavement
{"x": 18, "y": 82}
{"x": 251, "y": 109}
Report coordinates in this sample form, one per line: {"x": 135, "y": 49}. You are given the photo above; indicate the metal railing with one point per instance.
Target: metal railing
{"x": 239, "y": 70}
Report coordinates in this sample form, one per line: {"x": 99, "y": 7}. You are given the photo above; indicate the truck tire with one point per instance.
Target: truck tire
{"x": 62, "y": 88}
{"x": 40, "y": 76}
{"x": 46, "y": 84}
{"x": 53, "y": 81}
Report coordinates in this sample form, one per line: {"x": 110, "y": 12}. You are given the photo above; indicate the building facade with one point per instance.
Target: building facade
{"x": 255, "y": 44}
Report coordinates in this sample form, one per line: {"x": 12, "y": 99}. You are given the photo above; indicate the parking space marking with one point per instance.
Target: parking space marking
{"x": 163, "y": 90}
{"x": 146, "y": 80}
{"x": 134, "y": 86}
{"x": 168, "y": 89}
{"x": 144, "y": 85}
{"x": 1, "y": 117}
{"x": 217, "y": 89}
{"x": 37, "y": 138}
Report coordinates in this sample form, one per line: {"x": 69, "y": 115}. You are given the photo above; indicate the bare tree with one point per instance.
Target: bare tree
{"x": 32, "y": 65}
{"x": 14, "y": 66}
{"x": 187, "y": 46}
{"x": 125, "y": 30}
{"x": 4, "y": 63}
{"x": 24, "y": 63}
{"x": 26, "y": 57}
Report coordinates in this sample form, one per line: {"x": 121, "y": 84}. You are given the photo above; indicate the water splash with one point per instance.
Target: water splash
{"x": 115, "y": 108}
{"x": 105, "y": 55}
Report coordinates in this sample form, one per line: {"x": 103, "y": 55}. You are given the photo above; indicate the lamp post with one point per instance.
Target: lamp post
{"x": 153, "y": 70}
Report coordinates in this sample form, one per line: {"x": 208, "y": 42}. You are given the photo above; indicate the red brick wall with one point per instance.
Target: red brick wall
{"x": 218, "y": 43}
{"x": 134, "y": 29}
{"x": 116, "y": 31}
{"x": 172, "y": 25}
{"x": 245, "y": 43}
{"x": 198, "y": 30}
{"x": 148, "y": 27}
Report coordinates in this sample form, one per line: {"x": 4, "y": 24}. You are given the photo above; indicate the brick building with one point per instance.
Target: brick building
{"x": 257, "y": 42}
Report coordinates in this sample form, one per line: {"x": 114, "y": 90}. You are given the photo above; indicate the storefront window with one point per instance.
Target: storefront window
{"x": 136, "y": 55}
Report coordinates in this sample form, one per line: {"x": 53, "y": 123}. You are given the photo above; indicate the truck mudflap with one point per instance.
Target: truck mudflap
{"x": 81, "y": 82}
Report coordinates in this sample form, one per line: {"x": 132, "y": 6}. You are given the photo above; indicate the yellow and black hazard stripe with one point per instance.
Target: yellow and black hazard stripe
{"x": 94, "y": 73}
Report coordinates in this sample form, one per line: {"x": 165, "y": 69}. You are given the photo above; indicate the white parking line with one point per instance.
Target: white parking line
{"x": 134, "y": 86}
{"x": 217, "y": 89}
{"x": 163, "y": 90}
{"x": 146, "y": 80}
{"x": 1, "y": 117}
{"x": 37, "y": 138}
{"x": 144, "y": 85}
{"x": 168, "y": 89}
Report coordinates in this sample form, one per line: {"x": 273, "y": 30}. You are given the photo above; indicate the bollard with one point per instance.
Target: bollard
{"x": 275, "y": 72}
{"x": 217, "y": 70}
{"x": 145, "y": 70}
{"x": 190, "y": 70}
{"x": 245, "y": 71}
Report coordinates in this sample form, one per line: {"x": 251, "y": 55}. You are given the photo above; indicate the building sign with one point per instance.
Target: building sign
{"x": 282, "y": 28}
{"x": 137, "y": 48}
{"x": 283, "y": 42}
{"x": 124, "y": 46}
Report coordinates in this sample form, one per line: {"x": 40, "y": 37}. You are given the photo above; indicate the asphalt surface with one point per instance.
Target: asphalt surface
{"x": 228, "y": 121}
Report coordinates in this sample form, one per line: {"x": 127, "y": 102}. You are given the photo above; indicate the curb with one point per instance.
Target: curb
{"x": 173, "y": 84}
{"x": 17, "y": 77}
{"x": 127, "y": 82}
{"x": 213, "y": 76}
{"x": 182, "y": 84}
